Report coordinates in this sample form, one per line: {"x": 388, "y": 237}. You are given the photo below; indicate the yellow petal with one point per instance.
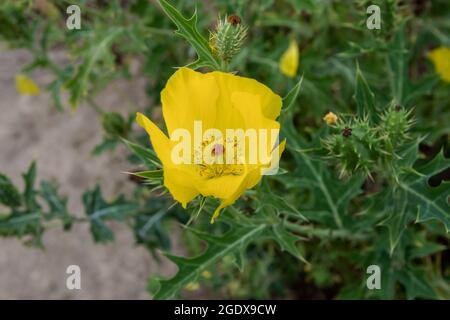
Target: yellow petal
{"x": 229, "y": 83}
{"x": 180, "y": 185}
{"x": 289, "y": 60}
{"x": 178, "y": 179}
{"x": 441, "y": 60}
{"x": 26, "y": 86}
{"x": 221, "y": 187}
{"x": 249, "y": 107}
{"x": 187, "y": 97}
{"x": 249, "y": 180}
{"x": 160, "y": 142}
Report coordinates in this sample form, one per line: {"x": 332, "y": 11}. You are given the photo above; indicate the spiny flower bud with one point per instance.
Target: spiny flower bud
{"x": 354, "y": 146}
{"x": 227, "y": 39}
{"x": 395, "y": 123}
{"x": 359, "y": 147}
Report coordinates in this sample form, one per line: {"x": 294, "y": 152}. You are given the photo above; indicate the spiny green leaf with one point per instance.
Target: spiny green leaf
{"x": 9, "y": 195}
{"x": 187, "y": 28}
{"x": 217, "y": 248}
{"x": 29, "y": 219}
{"x": 29, "y": 194}
{"x": 150, "y": 175}
{"x": 148, "y": 156}
{"x": 98, "y": 210}
{"x": 287, "y": 241}
{"x": 415, "y": 199}
{"x": 429, "y": 202}
{"x": 148, "y": 230}
{"x": 399, "y": 216}
{"x": 397, "y": 58}
{"x": 290, "y": 99}
{"x": 57, "y": 205}
{"x": 279, "y": 204}
{"x": 78, "y": 84}
{"x": 415, "y": 283}
{"x": 19, "y": 225}
{"x": 365, "y": 99}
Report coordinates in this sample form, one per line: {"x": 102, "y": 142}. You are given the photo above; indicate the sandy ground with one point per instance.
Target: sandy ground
{"x": 31, "y": 128}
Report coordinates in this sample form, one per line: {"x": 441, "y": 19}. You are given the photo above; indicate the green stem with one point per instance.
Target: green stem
{"x": 313, "y": 231}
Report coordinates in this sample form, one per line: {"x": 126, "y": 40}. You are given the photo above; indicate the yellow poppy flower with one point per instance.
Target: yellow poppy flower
{"x": 441, "y": 60}
{"x": 26, "y": 86}
{"x": 218, "y": 101}
{"x": 289, "y": 60}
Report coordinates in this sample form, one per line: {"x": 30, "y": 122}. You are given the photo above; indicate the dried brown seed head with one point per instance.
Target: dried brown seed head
{"x": 347, "y": 132}
{"x": 234, "y": 19}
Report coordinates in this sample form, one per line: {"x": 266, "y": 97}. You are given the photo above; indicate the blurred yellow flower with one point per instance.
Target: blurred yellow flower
{"x": 219, "y": 101}
{"x": 192, "y": 286}
{"x": 26, "y": 86}
{"x": 206, "y": 274}
{"x": 289, "y": 60}
{"x": 441, "y": 60}
{"x": 330, "y": 118}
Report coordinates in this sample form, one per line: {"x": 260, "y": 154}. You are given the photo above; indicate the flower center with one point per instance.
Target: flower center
{"x": 219, "y": 167}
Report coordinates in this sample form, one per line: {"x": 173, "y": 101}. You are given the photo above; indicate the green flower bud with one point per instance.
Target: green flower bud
{"x": 359, "y": 147}
{"x": 354, "y": 146}
{"x": 226, "y": 41}
{"x": 114, "y": 124}
{"x": 395, "y": 123}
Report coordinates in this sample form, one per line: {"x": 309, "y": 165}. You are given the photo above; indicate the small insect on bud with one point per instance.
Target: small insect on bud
{"x": 347, "y": 132}
{"x": 330, "y": 118}
{"x": 234, "y": 19}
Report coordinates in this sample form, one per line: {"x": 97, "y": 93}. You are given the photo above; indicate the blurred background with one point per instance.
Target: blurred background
{"x": 30, "y": 129}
